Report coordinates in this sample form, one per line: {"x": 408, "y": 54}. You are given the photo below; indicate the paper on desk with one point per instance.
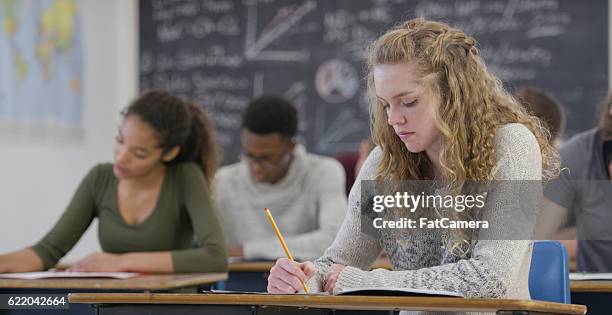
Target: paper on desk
{"x": 67, "y": 274}
{"x": 577, "y": 276}
{"x": 235, "y": 259}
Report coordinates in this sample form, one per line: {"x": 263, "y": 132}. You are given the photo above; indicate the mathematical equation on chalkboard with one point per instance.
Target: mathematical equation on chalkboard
{"x": 222, "y": 53}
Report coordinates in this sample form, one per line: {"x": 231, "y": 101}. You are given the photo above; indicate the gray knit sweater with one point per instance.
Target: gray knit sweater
{"x": 493, "y": 268}
{"x": 308, "y": 205}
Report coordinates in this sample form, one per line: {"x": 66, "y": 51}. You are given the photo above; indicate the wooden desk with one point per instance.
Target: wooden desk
{"x": 144, "y": 283}
{"x": 251, "y": 266}
{"x": 109, "y": 303}
{"x": 604, "y": 286}
{"x": 154, "y": 282}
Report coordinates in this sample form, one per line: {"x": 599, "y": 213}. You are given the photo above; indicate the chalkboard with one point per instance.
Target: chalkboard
{"x": 222, "y": 53}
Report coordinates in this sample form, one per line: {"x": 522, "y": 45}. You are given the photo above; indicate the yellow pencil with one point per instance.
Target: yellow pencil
{"x": 282, "y": 241}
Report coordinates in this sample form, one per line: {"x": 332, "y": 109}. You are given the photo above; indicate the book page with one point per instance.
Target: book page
{"x": 67, "y": 274}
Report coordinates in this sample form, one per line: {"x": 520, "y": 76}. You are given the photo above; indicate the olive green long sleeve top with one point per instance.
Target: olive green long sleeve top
{"x": 184, "y": 221}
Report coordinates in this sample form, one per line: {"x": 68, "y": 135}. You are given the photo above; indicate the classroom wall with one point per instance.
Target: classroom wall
{"x": 38, "y": 176}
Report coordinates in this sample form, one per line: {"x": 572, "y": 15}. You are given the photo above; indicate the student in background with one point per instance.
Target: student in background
{"x": 583, "y": 192}
{"x": 153, "y": 204}
{"x": 305, "y": 192}
{"x": 437, "y": 114}
{"x": 545, "y": 107}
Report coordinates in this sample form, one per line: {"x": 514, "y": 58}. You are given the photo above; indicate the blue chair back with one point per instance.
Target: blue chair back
{"x": 549, "y": 273}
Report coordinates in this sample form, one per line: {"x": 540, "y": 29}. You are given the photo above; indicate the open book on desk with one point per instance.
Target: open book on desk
{"x": 67, "y": 274}
{"x": 369, "y": 291}
{"x": 392, "y": 291}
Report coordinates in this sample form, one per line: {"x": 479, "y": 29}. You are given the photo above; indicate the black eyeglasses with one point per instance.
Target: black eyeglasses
{"x": 268, "y": 162}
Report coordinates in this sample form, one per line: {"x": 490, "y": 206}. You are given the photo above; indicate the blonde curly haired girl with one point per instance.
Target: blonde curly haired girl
{"x": 437, "y": 114}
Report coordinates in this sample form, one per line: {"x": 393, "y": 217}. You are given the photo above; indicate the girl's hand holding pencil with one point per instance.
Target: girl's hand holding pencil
{"x": 287, "y": 276}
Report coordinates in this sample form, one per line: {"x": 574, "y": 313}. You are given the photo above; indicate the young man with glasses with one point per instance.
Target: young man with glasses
{"x": 304, "y": 191}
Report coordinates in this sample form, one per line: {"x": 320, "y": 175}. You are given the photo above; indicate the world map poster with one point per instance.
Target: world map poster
{"x": 41, "y": 68}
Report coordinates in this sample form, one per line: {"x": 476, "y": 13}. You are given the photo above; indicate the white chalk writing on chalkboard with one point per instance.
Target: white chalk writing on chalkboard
{"x": 222, "y": 53}
{"x": 282, "y": 23}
